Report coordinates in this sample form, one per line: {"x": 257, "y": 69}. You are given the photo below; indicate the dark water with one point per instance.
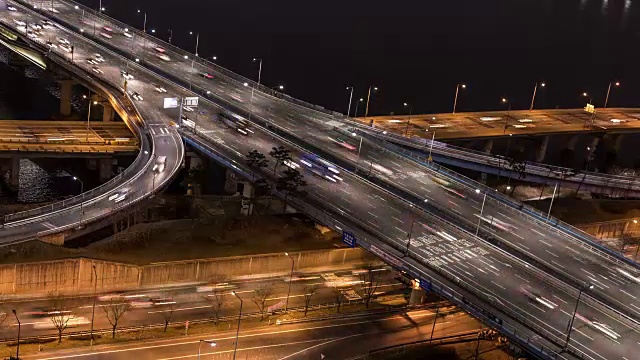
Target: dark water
{"x": 26, "y": 94}
{"x": 415, "y": 51}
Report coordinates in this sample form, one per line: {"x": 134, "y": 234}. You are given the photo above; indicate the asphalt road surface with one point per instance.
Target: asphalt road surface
{"x": 333, "y": 339}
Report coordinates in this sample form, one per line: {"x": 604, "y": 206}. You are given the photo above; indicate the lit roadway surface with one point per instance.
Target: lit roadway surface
{"x": 335, "y": 339}
{"x": 383, "y": 213}
{"x": 538, "y": 241}
{"x": 166, "y": 143}
{"x": 190, "y": 304}
{"x": 521, "y": 122}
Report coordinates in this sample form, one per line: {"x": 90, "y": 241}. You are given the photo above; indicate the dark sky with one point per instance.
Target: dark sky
{"x": 415, "y": 51}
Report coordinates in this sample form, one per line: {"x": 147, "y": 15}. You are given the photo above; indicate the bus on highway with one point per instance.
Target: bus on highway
{"x": 321, "y": 168}
{"x": 235, "y": 121}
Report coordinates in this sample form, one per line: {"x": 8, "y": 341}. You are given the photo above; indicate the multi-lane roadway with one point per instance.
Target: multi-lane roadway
{"x": 473, "y": 262}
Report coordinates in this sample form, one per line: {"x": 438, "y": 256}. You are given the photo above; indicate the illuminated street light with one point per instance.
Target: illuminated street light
{"x": 606, "y": 100}
{"x": 366, "y": 112}
{"x": 455, "y": 99}
{"x": 406, "y": 130}
{"x": 535, "y": 90}
{"x": 210, "y": 342}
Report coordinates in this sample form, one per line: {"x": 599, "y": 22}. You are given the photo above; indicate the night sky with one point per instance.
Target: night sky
{"x": 415, "y": 51}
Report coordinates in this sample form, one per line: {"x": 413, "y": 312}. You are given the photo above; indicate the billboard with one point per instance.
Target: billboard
{"x": 190, "y": 101}
{"x": 169, "y": 103}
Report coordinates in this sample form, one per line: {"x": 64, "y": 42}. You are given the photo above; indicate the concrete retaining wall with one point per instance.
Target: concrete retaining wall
{"x": 76, "y": 276}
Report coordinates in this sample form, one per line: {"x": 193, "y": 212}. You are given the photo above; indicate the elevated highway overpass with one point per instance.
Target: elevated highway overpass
{"x": 381, "y": 221}
{"x": 490, "y": 124}
{"x": 57, "y": 221}
{"x": 57, "y": 136}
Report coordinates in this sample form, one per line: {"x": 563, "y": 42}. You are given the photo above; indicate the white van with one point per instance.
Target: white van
{"x": 160, "y": 164}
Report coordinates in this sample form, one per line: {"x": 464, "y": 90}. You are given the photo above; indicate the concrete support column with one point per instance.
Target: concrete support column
{"x": 107, "y": 113}
{"x": 65, "y": 97}
{"x": 230, "y": 183}
{"x": 617, "y": 145}
{"x": 248, "y": 193}
{"x": 14, "y": 178}
{"x": 417, "y": 293}
{"x": 106, "y": 166}
{"x": 488, "y": 146}
{"x": 571, "y": 144}
{"x": 542, "y": 151}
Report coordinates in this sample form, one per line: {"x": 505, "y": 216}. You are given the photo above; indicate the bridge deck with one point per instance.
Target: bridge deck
{"x": 521, "y": 122}
{"x": 66, "y": 136}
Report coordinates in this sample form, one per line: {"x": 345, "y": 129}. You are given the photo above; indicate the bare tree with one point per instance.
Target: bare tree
{"x": 309, "y": 291}
{"x": 114, "y": 311}
{"x": 60, "y": 313}
{"x": 217, "y": 300}
{"x": 370, "y": 280}
{"x": 167, "y": 312}
{"x": 338, "y": 297}
{"x": 259, "y": 298}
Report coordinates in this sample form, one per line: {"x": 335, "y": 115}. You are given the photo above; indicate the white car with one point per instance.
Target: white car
{"x": 97, "y": 70}
{"x": 187, "y": 108}
{"x": 65, "y": 47}
{"x": 53, "y": 10}
{"x": 127, "y": 34}
{"x": 160, "y": 89}
{"x": 19, "y": 22}
{"x": 92, "y": 61}
{"x": 52, "y": 45}
{"x": 126, "y": 75}
{"x": 119, "y": 195}
{"x": 11, "y": 8}
{"x": 63, "y": 41}
{"x": 98, "y": 57}
{"x": 47, "y": 24}
{"x": 136, "y": 96}
{"x": 32, "y": 35}
{"x": 163, "y": 57}
{"x": 36, "y": 26}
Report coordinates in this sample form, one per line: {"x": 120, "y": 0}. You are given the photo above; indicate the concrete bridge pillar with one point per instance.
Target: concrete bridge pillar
{"x": 248, "y": 192}
{"x": 617, "y": 145}
{"x": 488, "y": 146}
{"x": 65, "y": 97}
{"x": 106, "y": 165}
{"x": 542, "y": 151}
{"x": 417, "y": 293}
{"x": 571, "y": 144}
{"x": 231, "y": 182}
{"x": 14, "y": 177}
{"x": 107, "y": 112}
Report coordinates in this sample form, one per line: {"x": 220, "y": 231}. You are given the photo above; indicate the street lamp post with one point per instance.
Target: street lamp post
{"x": 88, "y": 116}
{"x": 433, "y": 138}
{"x": 19, "y": 325}
{"x": 210, "y": 342}
{"x": 81, "y": 193}
{"x": 259, "y": 74}
{"x": 235, "y": 347}
{"x": 350, "y": 98}
{"x": 506, "y": 119}
{"x": 170, "y": 35}
{"x": 93, "y": 308}
{"x": 409, "y": 235}
{"x": 606, "y": 100}
{"x": 455, "y": 99}
{"x": 355, "y": 114}
{"x": 286, "y": 306}
{"x": 481, "y": 210}
{"x": 144, "y": 22}
{"x": 406, "y": 130}
{"x": 574, "y": 314}
{"x": 366, "y": 112}
{"x": 535, "y": 90}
